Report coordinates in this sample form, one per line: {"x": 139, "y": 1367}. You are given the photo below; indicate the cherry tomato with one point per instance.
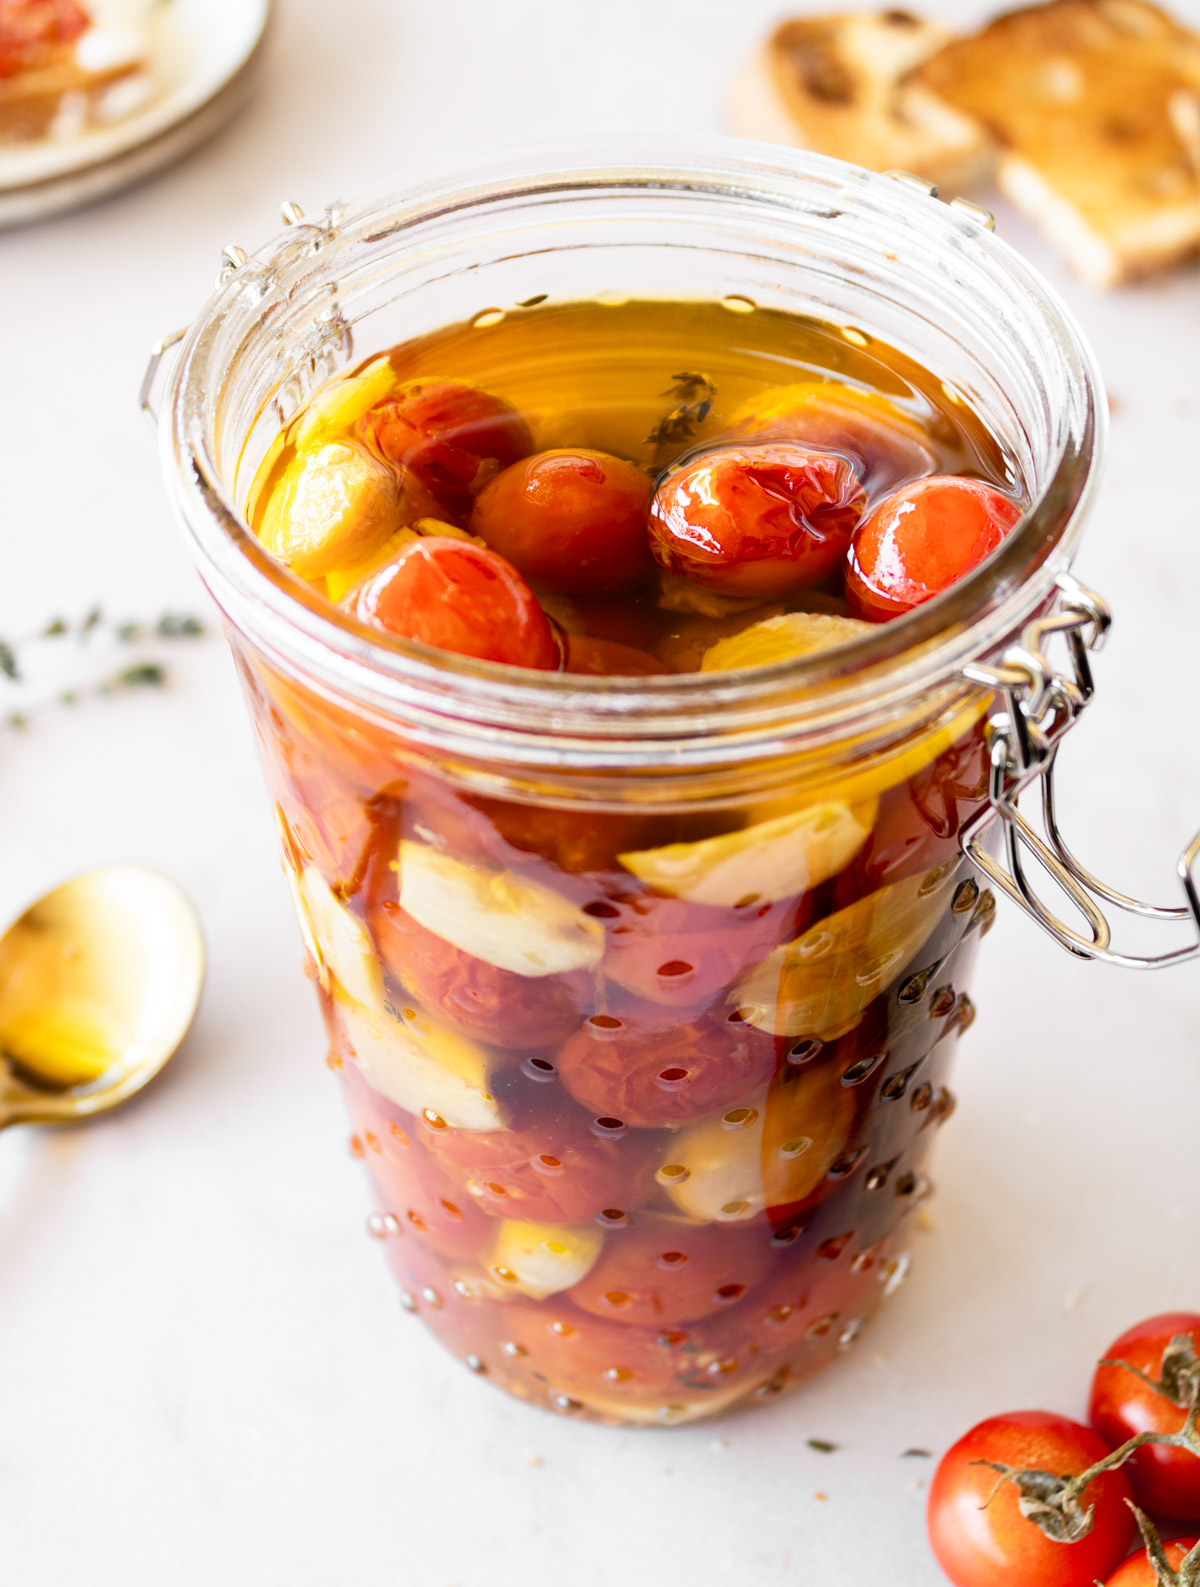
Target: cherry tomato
{"x": 664, "y": 1077}
{"x": 32, "y": 31}
{"x": 997, "y": 1546}
{"x": 1163, "y": 1479}
{"x": 922, "y": 539}
{"x": 604, "y": 658}
{"x": 833, "y": 417}
{"x": 571, "y": 521}
{"x": 918, "y": 822}
{"x": 493, "y": 1005}
{"x": 671, "y": 951}
{"x": 665, "y": 1271}
{"x": 409, "y": 1184}
{"x": 460, "y": 597}
{"x": 1138, "y": 1570}
{"x": 756, "y": 520}
{"x": 576, "y": 841}
{"x": 573, "y": 1351}
{"x": 453, "y": 436}
{"x": 554, "y": 1171}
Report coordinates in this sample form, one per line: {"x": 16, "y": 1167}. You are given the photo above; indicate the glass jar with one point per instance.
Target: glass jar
{"x": 644, "y": 1136}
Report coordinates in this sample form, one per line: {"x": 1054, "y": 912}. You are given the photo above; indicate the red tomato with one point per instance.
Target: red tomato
{"x": 453, "y": 436}
{"x": 670, "y": 951}
{"x": 493, "y": 1005}
{"x": 576, "y": 841}
{"x": 997, "y": 1546}
{"x": 572, "y": 521}
{"x": 833, "y": 417}
{"x": 922, "y": 539}
{"x": 662, "y": 1271}
{"x": 409, "y": 1184}
{"x": 556, "y": 1171}
{"x": 575, "y": 1352}
{"x": 33, "y": 31}
{"x": 1163, "y": 1479}
{"x": 918, "y": 822}
{"x": 664, "y": 1077}
{"x": 460, "y": 597}
{"x": 756, "y": 520}
{"x": 605, "y": 658}
{"x": 1139, "y": 1571}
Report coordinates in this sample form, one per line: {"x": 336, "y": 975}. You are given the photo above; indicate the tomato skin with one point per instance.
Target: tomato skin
{"x": 662, "y": 1272}
{"x": 605, "y": 658}
{"x": 459, "y": 597}
{"x": 997, "y": 1546}
{"x": 920, "y": 540}
{"x": 1138, "y": 1570}
{"x": 651, "y": 1078}
{"x": 1164, "y": 1480}
{"x": 670, "y": 951}
{"x": 756, "y": 520}
{"x": 554, "y": 1171}
{"x": 573, "y": 521}
{"x": 451, "y": 435}
{"x": 492, "y": 1005}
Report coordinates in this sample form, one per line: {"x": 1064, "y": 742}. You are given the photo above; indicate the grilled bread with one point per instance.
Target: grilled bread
{"x": 1096, "y": 106}
{"x": 841, "y": 85}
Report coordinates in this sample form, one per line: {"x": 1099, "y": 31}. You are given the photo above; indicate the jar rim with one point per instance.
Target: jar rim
{"x": 483, "y": 708}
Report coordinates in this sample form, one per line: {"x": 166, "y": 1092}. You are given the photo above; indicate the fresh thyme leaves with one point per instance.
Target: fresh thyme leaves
{"x": 20, "y": 659}
{"x": 693, "y": 393}
{"x": 821, "y": 1445}
{"x": 532, "y": 303}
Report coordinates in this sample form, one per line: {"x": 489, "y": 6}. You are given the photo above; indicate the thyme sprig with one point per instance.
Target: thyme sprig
{"x": 1054, "y": 1504}
{"x": 693, "y": 393}
{"x": 147, "y": 673}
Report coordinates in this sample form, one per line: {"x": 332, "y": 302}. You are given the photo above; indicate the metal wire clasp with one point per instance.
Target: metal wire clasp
{"x": 1037, "y": 705}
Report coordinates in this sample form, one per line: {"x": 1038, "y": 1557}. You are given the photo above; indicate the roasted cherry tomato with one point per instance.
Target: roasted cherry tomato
{"x": 493, "y": 1005}
{"x": 460, "y": 597}
{"x": 453, "y": 436}
{"x": 922, "y": 539}
{"x": 997, "y": 1546}
{"x": 33, "y": 31}
{"x": 672, "y": 951}
{"x": 757, "y": 520}
{"x": 665, "y": 1271}
{"x": 1138, "y": 1570}
{"x": 409, "y": 1184}
{"x": 830, "y": 416}
{"x": 918, "y": 822}
{"x": 604, "y": 658}
{"x": 1163, "y": 1479}
{"x": 571, "y": 521}
{"x": 555, "y": 1171}
{"x": 661, "y": 1077}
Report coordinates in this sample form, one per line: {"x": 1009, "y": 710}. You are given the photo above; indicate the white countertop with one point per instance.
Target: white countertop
{"x": 206, "y": 1376}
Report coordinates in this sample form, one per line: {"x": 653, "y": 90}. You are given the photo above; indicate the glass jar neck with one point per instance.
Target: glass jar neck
{"x": 787, "y": 229}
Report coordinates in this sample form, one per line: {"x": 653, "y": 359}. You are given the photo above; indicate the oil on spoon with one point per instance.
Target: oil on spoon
{"x": 99, "y": 982}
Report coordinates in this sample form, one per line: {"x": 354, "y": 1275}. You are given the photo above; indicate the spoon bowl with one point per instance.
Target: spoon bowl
{"x": 99, "y": 982}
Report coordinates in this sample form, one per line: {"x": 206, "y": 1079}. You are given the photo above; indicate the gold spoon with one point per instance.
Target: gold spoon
{"x": 99, "y": 982}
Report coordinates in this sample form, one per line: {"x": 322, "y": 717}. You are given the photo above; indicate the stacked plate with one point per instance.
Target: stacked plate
{"x": 199, "y": 68}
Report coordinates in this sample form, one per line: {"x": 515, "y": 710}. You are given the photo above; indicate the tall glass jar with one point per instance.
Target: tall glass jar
{"x": 640, "y": 1152}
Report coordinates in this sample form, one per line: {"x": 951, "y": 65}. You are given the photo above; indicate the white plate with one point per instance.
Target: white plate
{"x": 201, "y": 53}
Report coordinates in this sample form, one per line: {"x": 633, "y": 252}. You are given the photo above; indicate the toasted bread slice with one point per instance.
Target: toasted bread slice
{"x": 838, "y": 85}
{"x": 1096, "y": 104}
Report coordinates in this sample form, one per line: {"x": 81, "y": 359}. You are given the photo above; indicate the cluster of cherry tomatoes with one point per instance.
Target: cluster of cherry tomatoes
{"x": 764, "y": 515}
{"x": 983, "y": 1524}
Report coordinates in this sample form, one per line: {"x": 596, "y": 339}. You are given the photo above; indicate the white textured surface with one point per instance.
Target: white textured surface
{"x": 206, "y": 1376}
